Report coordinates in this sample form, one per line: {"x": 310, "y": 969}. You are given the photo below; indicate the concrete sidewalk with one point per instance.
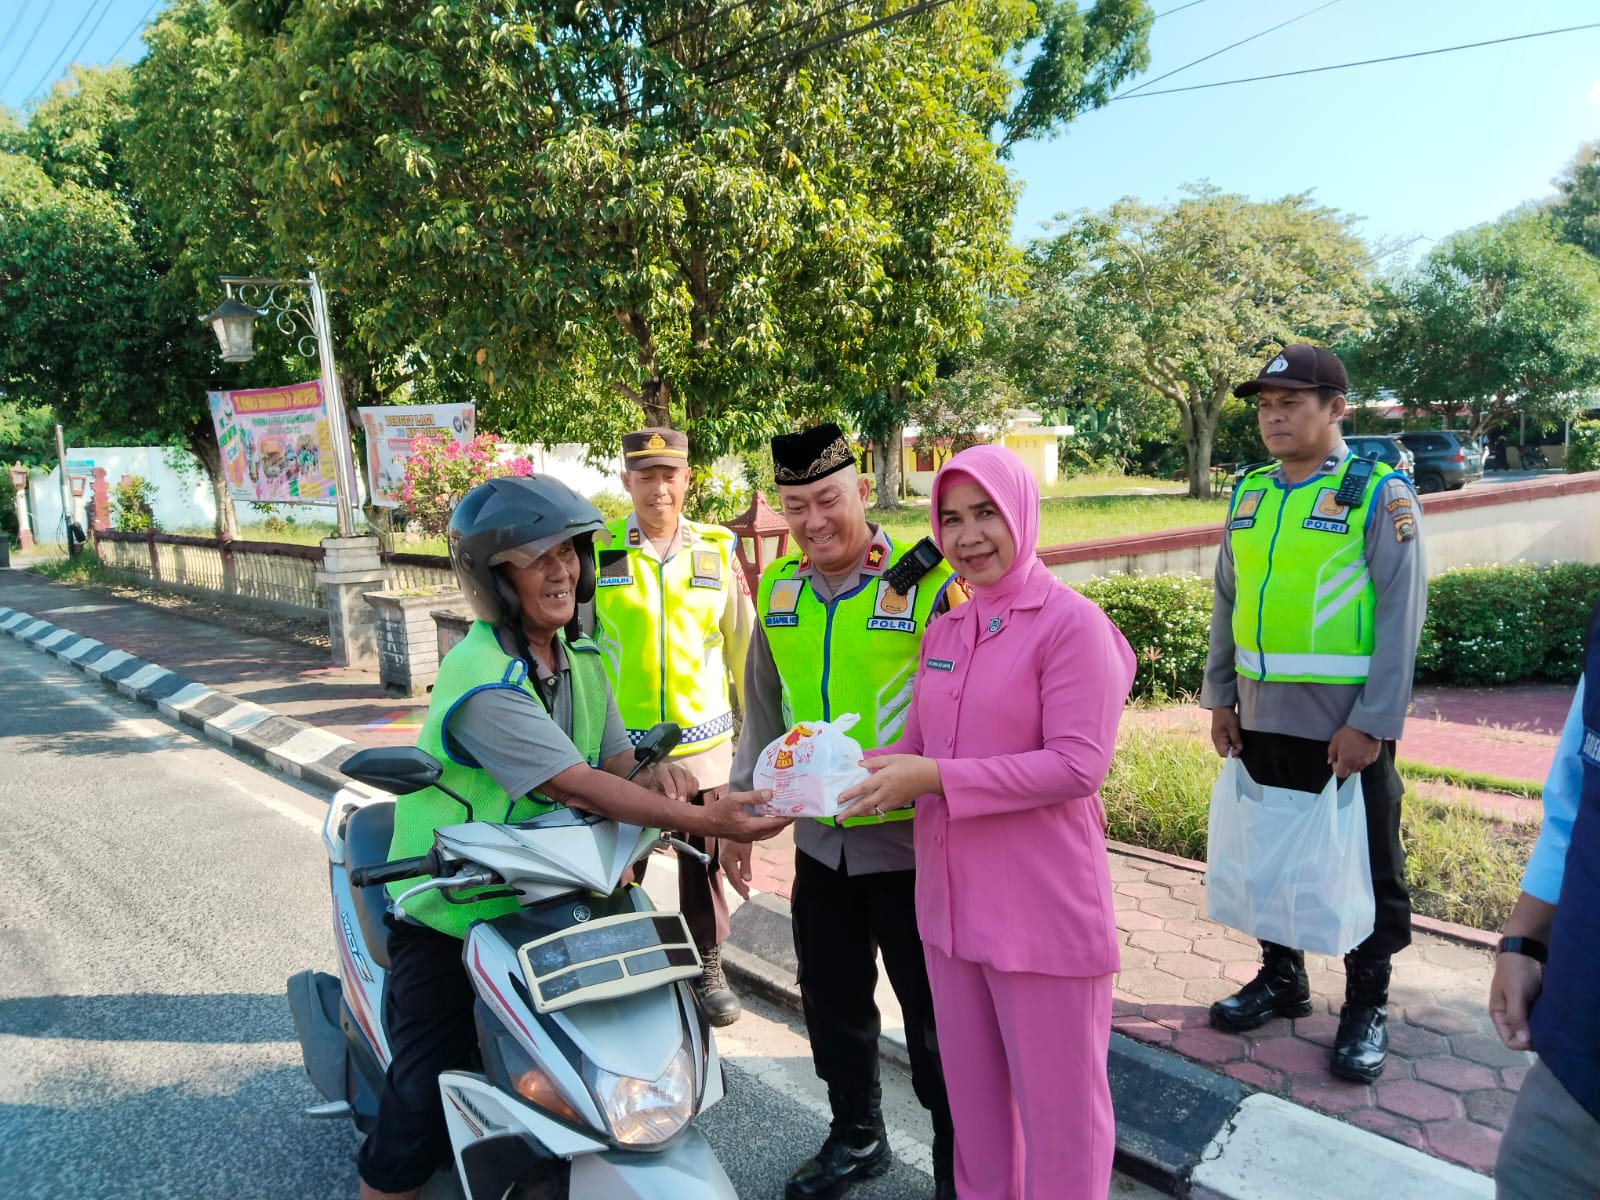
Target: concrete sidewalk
{"x": 1198, "y": 1112}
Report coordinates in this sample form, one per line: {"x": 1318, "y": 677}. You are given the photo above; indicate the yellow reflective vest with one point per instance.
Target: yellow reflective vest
{"x": 1304, "y": 602}
{"x": 856, "y": 653}
{"x": 659, "y": 627}
{"x": 475, "y": 664}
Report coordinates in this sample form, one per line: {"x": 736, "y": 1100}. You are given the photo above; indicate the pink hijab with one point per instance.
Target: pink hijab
{"x": 1001, "y": 474}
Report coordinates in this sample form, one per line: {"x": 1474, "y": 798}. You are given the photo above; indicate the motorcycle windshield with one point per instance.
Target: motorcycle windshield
{"x": 549, "y": 857}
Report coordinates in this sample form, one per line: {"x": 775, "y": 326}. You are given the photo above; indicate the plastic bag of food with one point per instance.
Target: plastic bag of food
{"x": 808, "y": 767}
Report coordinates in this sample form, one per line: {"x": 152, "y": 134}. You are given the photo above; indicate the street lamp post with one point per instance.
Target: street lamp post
{"x": 234, "y": 323}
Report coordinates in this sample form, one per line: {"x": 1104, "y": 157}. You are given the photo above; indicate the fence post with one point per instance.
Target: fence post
{"x": 351, "y": 567}
{"x": 19, "y": 480}
{"x": 102, "y": 501}
{"x": 155, "y": 558}
{"x": 230, "y": 578}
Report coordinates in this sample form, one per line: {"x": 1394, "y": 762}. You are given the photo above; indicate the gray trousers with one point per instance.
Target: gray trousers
{"x": 1551, "y": 1148}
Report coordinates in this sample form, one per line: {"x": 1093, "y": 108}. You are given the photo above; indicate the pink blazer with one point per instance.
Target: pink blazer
{"x": 1011, "y": 862}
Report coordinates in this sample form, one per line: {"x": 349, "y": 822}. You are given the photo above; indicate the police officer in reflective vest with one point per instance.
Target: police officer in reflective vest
{"x": 1549, "y": 964}
{"x": 840, "y": 622}
{"x": 1321, "y": 590}
{"x": 672, "y": 617}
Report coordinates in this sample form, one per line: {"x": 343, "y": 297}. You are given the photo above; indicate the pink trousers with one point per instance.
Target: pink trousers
{"x": 1025, "y": 1066}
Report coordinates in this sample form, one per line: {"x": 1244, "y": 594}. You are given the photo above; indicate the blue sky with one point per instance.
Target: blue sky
{"x": 1418, "y": 148}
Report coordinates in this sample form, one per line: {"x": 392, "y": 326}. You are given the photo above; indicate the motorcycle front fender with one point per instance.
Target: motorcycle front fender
{"x": 685, "y": 1170}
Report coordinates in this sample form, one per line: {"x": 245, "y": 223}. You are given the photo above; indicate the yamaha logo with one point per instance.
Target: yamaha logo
{"x": 581, "y": 913}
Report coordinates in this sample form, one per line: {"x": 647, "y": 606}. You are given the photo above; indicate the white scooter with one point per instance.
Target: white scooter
{"x": 595, "y": 1057}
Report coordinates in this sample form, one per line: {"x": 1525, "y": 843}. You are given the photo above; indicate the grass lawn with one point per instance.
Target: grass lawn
{"x": 1462, "y": 866}
{"x": 1084, "y": 518}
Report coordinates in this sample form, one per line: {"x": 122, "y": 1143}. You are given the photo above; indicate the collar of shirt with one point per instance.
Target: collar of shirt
{"x": 876, "y": 560}
{"x": 636, "y": 541}
{"x": 1329, "y": 465}
{"x": 508, "y": 643}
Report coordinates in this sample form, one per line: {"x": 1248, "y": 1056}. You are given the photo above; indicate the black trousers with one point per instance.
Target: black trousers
{"x": 1279, "y": 760}
{"x": 428, "y": 1017}
{"x": 840, "y": 923}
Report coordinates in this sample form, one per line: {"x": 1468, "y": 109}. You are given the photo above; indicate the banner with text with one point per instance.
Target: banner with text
{"x": 277, "y": 445}
{"x": 390, "y": 431}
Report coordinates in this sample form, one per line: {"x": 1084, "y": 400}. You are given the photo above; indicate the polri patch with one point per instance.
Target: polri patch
{"x": 891, "y": 610}
{"x": 782, "y": 602}
{"x": 707, "y": 570}
{"x": 1405, "y": 527}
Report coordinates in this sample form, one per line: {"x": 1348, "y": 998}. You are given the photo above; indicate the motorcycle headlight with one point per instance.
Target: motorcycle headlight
{"x": 646, "y": 1112}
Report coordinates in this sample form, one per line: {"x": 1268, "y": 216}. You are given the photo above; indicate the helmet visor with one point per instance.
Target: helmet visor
{"x": 528, "y": 553}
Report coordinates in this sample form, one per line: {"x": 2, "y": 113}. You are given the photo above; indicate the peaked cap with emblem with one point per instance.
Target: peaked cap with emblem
{"x": 654, "y": 447}
{"x": 1298, "y": 367}
{"x": 811, "y": 454}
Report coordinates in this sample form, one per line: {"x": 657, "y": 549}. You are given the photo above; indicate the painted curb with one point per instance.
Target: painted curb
{"x": 290, "y": 747}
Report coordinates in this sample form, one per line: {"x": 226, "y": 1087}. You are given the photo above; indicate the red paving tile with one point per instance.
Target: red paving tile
{"x": 1417, "y": 1100}
{"x": 1255, "y": 1075}
{"x": 1320, "y": 1090}
{"x": 1465, "y": 1142}
{"x": 1390, "y": 1126}
{"x": 1454, "y": 1074}
{"x": 1209, "y": 1045}
{"x": 1490, "y": 1107}
{"x": 1291, "y": 1054}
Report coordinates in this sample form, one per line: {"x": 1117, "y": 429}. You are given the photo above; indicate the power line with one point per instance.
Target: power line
{"x": 1140, "y": 87}
{"x": 1180, "y": 8}
{"x": 1365, "y": 62}
{"x": 779, "y": 32}
{"x": 15, "y": 21}
{"x": 722, "y": 11}
{"x": 26, "y": 46}
{"x": 138, "y": 26}
{"x": 72, "y": 55}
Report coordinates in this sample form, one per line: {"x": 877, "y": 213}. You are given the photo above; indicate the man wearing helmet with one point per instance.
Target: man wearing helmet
{"x": 522, "y": 720}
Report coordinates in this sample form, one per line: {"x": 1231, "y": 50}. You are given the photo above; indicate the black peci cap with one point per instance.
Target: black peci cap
{"x": 811, "y": 454}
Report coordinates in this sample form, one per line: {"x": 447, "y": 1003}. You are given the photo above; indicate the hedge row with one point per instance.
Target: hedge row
{"x": 1485, "y": 625}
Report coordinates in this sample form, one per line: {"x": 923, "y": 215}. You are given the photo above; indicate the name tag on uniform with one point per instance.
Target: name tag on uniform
{"x": 613, "y": 580}
{"x": 940, "y": 664}
{"x": 1590, "y": 750}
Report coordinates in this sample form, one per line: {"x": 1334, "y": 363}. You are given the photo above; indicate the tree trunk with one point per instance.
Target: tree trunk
{"x": 1197, "y": 440}
{"x": 886, "y": 456}
{"x": 656, "y": 401}
{"x": 205, "y": 448}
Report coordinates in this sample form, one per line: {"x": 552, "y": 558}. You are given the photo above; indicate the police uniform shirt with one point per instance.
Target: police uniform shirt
{"x": 1377, "y": 707}
{"x": 858, "y": 849}
{"x": 521, "y": 742}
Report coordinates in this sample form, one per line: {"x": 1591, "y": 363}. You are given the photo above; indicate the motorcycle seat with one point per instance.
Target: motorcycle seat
{"x": 366, "y": 841}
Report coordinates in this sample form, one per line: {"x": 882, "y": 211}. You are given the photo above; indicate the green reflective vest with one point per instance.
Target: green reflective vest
{"x": 856, "y": 653}
{"x": 476, "y": 664}
{"x": 1303, "y": 598}
{"x": 659, "y": 628}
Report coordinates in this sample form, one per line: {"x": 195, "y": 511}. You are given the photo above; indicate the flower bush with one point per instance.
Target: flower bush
{"x": 1502, "y": 624}
{"x": 441, "y": 470}
{"x": 1167, "y": 621}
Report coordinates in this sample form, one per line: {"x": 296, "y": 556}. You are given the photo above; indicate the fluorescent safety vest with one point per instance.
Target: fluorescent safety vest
{"x": 477, "y": 664}
{"x": 659, "y": 628}
{"x": 1304, "y": 603}
{"x": 856, "y": 653}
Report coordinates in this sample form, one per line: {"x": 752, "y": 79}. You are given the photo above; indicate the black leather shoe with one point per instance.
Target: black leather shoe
{"x": 717, "y": 1000}
{"x": 1361, "y": 1047}
{"x": 1280, "y": 989}
{"x": 853, "y": 1151}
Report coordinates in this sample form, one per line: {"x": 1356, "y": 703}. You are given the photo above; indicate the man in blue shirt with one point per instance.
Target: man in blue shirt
{"x": 1545, "y": 995}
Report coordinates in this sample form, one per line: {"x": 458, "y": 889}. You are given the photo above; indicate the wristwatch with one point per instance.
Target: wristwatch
{"x": 1528, "y": 947}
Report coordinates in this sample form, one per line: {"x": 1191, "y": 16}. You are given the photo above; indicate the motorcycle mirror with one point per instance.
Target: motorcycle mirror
{"x": 400, "y": 770}
{"x": 658, "y": 742}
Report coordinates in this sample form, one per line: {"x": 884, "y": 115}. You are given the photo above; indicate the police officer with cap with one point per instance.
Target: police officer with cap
{"x": 672, "y": 616}
{"x": 1321, "y": 589}
{"x": 840, "y": 621}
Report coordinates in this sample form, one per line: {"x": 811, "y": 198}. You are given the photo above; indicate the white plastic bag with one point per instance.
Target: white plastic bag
{"x": 1290, "y": 867}
{"x": 808, "y": 767}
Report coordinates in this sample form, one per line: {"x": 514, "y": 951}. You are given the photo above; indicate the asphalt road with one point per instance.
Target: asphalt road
{"x": 157, "y": 893}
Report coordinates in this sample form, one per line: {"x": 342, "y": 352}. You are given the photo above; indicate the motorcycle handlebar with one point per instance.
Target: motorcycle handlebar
{"x": 389, "y": 872}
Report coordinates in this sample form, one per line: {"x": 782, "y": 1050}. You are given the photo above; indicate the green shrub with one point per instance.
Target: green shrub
{"x": 1166, "y": 619}
{"x": 1583, "y": 447}
{"x": 8, "y": 506}
{"x": 1484, "y": 625}
{"x": 132, "y": 505}
{"x": 1571, "y": 592}
{"x": 611, "y": 505}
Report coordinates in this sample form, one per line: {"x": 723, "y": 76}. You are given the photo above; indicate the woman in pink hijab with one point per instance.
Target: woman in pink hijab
{"x": 1010, "y": 733}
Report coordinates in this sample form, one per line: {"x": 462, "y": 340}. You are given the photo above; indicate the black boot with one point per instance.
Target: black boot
{"x": 1280, "y": 989}
{"x": 857, "y": 1148}
{"x": 944, "y": 1158}
{"x": 717, "y": 1000}
{"x": 1361, "y": 1046}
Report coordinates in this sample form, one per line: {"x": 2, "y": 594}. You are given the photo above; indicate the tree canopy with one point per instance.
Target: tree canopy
{"x": 1190, "y": 298}
{"x": 1501, "y": 320}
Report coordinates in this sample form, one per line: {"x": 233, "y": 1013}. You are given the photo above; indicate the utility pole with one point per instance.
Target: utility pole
{"x": 66, "y": 493}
